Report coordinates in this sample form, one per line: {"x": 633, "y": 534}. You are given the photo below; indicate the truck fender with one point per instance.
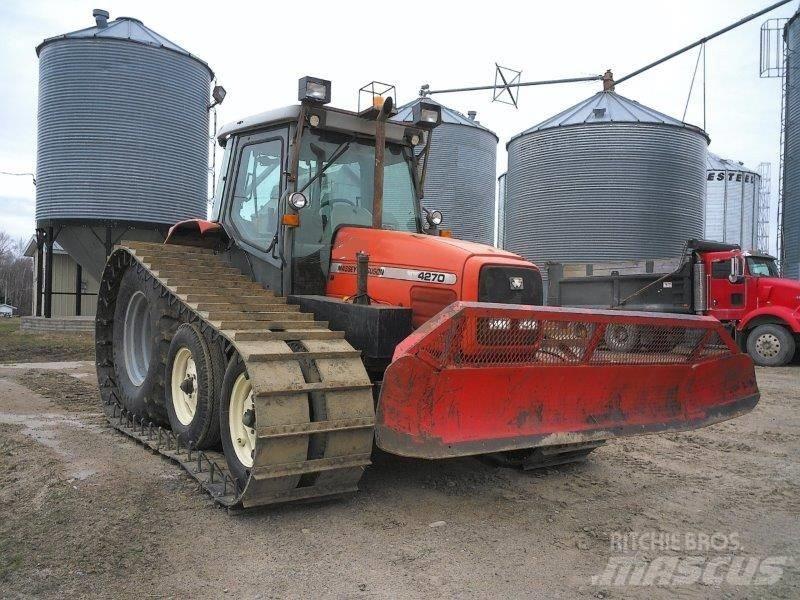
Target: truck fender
{"x": 777, "y": 315}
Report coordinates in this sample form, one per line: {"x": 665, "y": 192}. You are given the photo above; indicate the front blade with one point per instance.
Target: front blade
{"x": 483, "y": 378}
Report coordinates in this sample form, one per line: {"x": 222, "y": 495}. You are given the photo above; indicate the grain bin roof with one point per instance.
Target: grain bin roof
{"x": 608, "y": 107}
{"x": 128, "y": 29}
{"x": 717, "y": 163}
{"x": 449, "y": 115}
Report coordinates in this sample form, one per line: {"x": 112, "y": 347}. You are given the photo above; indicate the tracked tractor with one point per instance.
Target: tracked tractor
{"x": 322, "y": 312}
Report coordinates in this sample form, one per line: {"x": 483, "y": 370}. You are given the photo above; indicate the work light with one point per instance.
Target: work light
{"x": 313, "y": 89}
{"x": 427, "y": 114}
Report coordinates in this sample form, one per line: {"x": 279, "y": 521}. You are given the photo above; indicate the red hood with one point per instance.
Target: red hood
{"x": 780, "y": 291}
{"x": 424, "y": 272}
{"x": 399, "y": 248}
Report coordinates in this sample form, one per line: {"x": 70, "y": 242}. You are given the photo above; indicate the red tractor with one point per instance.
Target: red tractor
{"x": 322, "y": 310}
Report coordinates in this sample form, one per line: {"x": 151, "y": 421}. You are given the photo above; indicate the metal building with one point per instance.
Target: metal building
{"x": 123, "y": 139}
{"x": 74, "y": 290}
{"x": 789, "y": 234}
{"x": 732, "y": 202}
{"x": 462, "y": 173}
{"x": 607, "y": 179}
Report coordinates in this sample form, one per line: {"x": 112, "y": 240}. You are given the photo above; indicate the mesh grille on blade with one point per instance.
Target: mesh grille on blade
{"x": 505, "y": 336}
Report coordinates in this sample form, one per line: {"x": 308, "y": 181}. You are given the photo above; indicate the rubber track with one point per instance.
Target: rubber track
{"x": 314, "y": 409}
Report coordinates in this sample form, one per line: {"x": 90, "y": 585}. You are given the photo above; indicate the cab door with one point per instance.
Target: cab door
{"x": 255, "y": 182}
{"x": 727, "y": 290}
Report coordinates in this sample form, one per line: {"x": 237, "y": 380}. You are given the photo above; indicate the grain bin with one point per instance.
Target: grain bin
{"x": 462, "y": 172}
{"x": 731, "y": 210}
{"x": 123, "y": 136}
{"x": 607, "y": 179}
{"x": 789, "y": 235}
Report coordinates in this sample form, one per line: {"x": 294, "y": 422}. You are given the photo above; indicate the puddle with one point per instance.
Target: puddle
{"x": 44, "y": 428}
{"x": 56, "y": 366}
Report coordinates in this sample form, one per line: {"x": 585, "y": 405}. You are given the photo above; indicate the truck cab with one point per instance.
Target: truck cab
{"x": 741, "y": 289}
{"x": 745, "y": 289}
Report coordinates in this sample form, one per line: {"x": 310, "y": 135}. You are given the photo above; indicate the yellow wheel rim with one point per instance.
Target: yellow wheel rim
{"x": 184, "y": 399}
{"x": 243, "y": 437}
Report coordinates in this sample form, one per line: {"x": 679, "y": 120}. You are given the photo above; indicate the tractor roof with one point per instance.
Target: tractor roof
{"x": 335, "y": 119}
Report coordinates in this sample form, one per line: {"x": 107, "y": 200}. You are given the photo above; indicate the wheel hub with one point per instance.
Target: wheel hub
{"x": 242, "y": 419}
{"x": 184, "y": 386}
{"x": 136, "y": 338}
{"x": 768, "y": 345}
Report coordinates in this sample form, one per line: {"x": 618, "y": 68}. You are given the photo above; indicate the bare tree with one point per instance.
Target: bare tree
{"x": 16, "y": 274}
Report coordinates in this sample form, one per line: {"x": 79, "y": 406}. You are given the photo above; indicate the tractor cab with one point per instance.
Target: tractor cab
{"x": 291, "y": 177}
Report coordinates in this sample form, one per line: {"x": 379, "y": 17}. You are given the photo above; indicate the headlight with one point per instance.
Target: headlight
{"x": 435, "y": 217}
{"x": 499, "y": 324}
{"x": 298, "y": 201}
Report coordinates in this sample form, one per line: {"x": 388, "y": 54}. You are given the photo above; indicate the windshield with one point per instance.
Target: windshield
{"x": 342, "y": 195}
{"x": 761, "y": 266}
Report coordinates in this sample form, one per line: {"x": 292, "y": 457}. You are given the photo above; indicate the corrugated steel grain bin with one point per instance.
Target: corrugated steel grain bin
{"x": 731, "y": 212}
{"x": 462, "y": 173}
{"x": 790, "y": 234}
{"x": 606, "y": 179}
{"x": 123, "y": 131}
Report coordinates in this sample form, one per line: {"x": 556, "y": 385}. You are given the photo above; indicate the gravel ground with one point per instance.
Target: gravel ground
{"x": 87, "y": 512}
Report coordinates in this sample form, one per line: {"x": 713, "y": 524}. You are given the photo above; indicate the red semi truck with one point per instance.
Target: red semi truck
{"x": 742, "y": 289}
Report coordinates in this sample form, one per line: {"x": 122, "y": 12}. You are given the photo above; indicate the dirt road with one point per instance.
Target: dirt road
{"x": 87, "y": 512}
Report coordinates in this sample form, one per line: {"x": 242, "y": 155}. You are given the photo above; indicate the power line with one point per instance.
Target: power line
{"x": 12, "y": 173}
{"x": 20, "y": 174}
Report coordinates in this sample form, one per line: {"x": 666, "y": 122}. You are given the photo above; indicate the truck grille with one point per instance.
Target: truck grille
{"x": 502, "y": 284}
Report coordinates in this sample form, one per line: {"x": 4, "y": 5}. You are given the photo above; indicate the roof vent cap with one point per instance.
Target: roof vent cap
{"x": 472, "y": 114}
{"x": 100, "y": 17}
{"x": 599, "y": 113}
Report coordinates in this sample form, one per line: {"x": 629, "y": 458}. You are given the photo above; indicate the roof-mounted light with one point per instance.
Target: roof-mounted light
{"x": 426, "y": 114}
{"x": 313, "y": 89}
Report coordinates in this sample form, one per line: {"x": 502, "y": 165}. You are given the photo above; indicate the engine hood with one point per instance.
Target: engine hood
{"x": 780, "y": 291}
{"x": 398, "y": 248}
{"x": 423, "y": 272}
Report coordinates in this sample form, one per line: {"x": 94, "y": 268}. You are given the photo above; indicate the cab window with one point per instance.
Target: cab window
{"x": 720, "y": 269}
{"x": 254, "y": 206}
{"x": 762, "y": 266}
{"x": 216, "y": 207}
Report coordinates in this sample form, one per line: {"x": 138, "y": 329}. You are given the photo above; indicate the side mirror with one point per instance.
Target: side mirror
{"x": 737, "y": 271}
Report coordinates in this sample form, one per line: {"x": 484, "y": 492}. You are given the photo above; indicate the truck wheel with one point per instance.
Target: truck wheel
{"x": 621, "y": 338}
{"x": 770, "y": 345}
{"x": 140, "y": 323}
{"x": 192, "y": 389}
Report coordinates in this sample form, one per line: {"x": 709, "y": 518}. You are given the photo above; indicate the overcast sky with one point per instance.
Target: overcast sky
{"x": 259, "y": 50}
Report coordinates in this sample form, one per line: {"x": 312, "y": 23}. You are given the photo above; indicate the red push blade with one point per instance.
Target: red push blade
{"x": 482, "y": 378}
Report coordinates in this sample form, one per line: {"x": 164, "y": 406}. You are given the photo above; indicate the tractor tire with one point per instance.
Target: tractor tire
{"x": 771, "y": 345}
{"x": 237, "y": 439}
{"x": 142, "y": 325}
{"x": 192, "y": 389}
{"x": 621, "y": 338}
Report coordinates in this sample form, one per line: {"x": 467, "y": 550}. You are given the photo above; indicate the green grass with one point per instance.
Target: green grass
{"x": 19, "y": 346}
